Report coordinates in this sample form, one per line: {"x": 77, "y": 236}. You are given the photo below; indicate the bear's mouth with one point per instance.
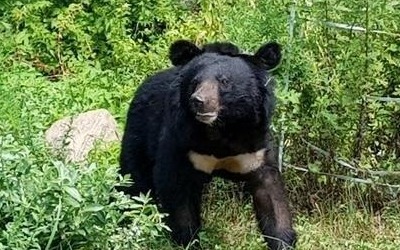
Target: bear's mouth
{"x": 207, "y": 118}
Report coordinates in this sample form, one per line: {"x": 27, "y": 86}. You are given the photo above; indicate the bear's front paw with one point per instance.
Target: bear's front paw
{"x": 186, "y": 238}
{"x": 283, "y": 240}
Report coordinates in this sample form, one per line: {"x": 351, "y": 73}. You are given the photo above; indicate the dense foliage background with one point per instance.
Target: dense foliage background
{"x": 337, "y": 124}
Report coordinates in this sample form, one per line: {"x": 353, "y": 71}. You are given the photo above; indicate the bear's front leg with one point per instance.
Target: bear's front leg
{"x": 184, "y": 221}
{"x": 179, "y": 188}
{"x": 272, "y": 209}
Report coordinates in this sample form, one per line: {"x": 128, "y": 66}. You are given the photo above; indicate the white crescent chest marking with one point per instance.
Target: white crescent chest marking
{"x": 241, "y": 163}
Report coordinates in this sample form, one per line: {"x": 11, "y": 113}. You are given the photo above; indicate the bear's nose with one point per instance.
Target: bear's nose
{"x": 197, "y": 101}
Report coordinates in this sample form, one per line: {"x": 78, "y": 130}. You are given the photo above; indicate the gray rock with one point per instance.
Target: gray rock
{"x": 74, "y": 137}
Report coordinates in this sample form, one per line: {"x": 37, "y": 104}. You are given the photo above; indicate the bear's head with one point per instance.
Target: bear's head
{"x": 219, "y": 85}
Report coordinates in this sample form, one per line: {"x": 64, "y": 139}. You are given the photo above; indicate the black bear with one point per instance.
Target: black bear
{"x": 208, "y": 115}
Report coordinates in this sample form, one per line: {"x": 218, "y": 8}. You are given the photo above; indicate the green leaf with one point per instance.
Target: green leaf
{"x": 74, "y": 193}
{"x": 314, "y": 167}
{"x": 93, "y": 208}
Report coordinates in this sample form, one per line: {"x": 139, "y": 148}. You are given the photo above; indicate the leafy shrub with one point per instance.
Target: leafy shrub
{"x": 52, "y": 35}
{"x": 46, "y": 204}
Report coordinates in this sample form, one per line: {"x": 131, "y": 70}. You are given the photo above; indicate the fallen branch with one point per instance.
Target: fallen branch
{"x": 342, "y": 177}
{"x": 348, "y": 165}
{"x": 384, "y": 98}
{"x": 350, "y": 27}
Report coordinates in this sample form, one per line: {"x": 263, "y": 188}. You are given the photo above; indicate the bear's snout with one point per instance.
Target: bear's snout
{"x": 205, "y": 98}
{"x": 204, "y": 102}
{"x": 197, "y": 102}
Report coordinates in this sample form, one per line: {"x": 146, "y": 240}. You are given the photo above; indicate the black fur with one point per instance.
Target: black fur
{"x": 182, "y": 51}
{"x": 161, "y": 129}
{"x": 224, "y": 48}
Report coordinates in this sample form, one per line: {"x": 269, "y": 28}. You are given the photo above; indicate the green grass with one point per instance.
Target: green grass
{"x": 338, "y": 228}
{"x": 229, "y": 223}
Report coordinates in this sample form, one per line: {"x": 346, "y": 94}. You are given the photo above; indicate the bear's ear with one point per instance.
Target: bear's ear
{"x": 182, "y": 51}
{"x": 269, "y": 54}
{"x": 224, "y": 48}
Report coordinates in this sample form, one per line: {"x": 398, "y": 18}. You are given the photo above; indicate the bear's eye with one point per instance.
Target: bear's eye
{"x": 225, "y": 84}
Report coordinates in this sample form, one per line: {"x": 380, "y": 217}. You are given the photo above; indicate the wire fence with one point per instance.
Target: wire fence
{"x": 355, "y": 167}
